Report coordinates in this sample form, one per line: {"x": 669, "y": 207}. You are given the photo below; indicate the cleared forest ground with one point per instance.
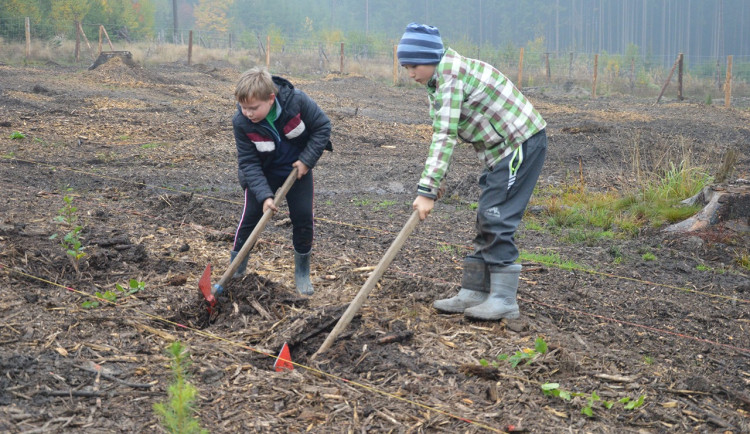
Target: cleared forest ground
{"x": 146, "y": 155}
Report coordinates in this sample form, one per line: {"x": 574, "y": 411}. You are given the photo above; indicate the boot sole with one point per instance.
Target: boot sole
{"x": 506, "y": 315}
{"x": 454, "y": 310}
{"x": 448, "y": 310}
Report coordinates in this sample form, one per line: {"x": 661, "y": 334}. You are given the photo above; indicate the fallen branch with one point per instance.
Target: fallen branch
{"x": 396, "y": 337}
{"x": 115, "y": 379}
{"x": 71, "y": 393}
{"x": 162, "y": 334}
{"x": 616, "y": 378}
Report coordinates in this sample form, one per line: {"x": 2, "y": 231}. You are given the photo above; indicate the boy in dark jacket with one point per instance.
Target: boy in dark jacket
{"x": 472, "y": 100}
{"x": 278, "y": 128}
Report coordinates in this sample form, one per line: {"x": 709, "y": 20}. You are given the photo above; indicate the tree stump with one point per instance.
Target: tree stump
{"x": 726, "y": 204}
{"x": 105, "y": 56}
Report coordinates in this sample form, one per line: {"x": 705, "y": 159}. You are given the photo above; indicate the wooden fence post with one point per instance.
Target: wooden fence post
{"x": 78, "y": 43}
{"x": 395, "y": 65}
{"x": 679, "y": 76}
{"x": 91, "y": 50}
{"x": 728, "y": 84}
{"x": 28, "y": 38}
{"x": 268, "y": 51}
{"x": 106, "y": 35}
{"x": 190, "y": 47}
{"x": 596, "y": 71}
{"x": 519, "y": 85}
{"x": 717, "y": 76}
{"x": 341, "y": 68}
{"x": 669, "y": 77}
{"x": 570, "y": 66}
{"x": 100, "y": 39}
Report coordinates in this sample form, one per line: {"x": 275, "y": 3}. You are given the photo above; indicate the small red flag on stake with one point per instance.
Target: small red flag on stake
{"x": 284, "y": 361}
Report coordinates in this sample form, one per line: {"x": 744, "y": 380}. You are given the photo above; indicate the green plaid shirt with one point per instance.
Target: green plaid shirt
{"x": 471, "y": 100}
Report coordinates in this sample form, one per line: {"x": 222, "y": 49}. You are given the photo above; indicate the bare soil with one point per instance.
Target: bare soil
{"x": 147, "y": 156}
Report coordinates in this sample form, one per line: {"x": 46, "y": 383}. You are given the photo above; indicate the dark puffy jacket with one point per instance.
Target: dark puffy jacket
{"x": 301, "y": 122}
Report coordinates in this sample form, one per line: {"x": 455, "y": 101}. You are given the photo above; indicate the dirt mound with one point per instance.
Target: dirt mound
{"x": 116, "y": 70}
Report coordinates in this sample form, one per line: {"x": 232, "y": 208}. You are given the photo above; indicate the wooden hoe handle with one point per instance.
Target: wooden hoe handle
{"x": 245, "y": 250}
{"x": 356, "y": 304}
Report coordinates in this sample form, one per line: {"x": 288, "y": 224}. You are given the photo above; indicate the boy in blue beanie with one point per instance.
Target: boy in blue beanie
{"x": 277, "y": 128}
{"x": 472, "y": 100}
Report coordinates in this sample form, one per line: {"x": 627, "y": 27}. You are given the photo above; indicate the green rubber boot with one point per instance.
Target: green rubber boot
{"x": 501, "y": 303}
{"x": 475, "y": 285}
{"x": 243, "y": 266}
{"x": 302, "y": 273}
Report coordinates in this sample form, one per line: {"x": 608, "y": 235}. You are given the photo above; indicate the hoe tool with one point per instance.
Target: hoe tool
{"x": 209, "y": 292}
{"x": 354, "y": 306}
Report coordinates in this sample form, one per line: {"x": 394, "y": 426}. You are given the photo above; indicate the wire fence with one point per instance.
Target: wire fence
{"x": 580, "y": 74}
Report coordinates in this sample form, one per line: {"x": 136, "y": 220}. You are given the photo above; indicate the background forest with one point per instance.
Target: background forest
{"x": 702, "y": 29}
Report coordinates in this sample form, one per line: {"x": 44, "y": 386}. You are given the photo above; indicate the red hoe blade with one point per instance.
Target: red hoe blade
{"x": 205, "y": 285}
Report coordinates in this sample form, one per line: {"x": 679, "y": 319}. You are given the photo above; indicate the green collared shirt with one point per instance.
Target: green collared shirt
{"x": 471, "y": 100}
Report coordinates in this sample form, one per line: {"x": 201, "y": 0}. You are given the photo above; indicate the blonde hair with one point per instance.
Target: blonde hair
{"x": 255, "y": 83}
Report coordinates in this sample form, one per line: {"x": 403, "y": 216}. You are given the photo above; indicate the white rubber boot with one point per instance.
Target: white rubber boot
{"x": 501, "y": 302}
{"x": 474, "y": 288}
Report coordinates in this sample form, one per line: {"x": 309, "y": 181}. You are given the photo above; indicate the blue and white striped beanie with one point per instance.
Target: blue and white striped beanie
{"x": 420, "y": 45}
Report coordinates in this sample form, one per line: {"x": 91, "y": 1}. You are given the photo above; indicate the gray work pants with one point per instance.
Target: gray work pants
{"x": 503, "y": 201}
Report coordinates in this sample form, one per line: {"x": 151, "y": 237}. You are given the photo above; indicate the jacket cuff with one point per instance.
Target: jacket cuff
{"x": 432, "y": 193}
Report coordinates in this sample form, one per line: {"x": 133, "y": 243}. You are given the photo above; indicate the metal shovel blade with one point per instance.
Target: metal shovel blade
{"x": 205, "y": 286}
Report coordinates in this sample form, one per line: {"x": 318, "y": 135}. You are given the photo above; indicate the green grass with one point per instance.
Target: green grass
{"x": 449, "y": 248}
{"x": 743, "y": 260}
{"x": 152, "y": 145}
{"x": 361, "y": 202}
{"x": 584, "y": 216}
{"x": 385, "y": 204}
{"x": 587, "y": 237}
{"x": 550, "y": 259}
{"x": 532, "y": 225}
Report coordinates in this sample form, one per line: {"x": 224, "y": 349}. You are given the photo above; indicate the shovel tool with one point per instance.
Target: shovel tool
{"x": 354, "y": 306}
{"x": 209, "y": 292}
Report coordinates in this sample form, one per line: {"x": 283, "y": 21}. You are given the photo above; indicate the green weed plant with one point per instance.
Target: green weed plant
{"x": 591, "y": 399}
{"x": 527, "y": 355}
{"x": 361, "y": 202}
{"x": 112, "y": 296}
{"x": 71, "y": 240}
